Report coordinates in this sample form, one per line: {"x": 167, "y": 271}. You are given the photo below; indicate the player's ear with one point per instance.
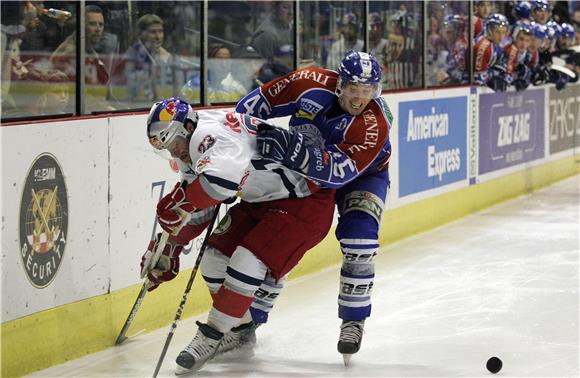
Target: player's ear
{"x": 189, "y": 126}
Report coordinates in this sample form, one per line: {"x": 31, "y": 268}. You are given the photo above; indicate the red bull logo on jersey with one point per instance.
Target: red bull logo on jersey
{"x": 167, "y": 113}
{"x": 201, "y": 163}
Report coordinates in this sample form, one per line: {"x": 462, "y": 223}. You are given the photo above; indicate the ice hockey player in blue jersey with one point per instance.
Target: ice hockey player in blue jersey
{"x": 339, "y": 136}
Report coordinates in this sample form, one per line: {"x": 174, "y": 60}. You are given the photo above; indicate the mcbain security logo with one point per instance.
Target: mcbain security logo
{"x": 432, "y": 143}
{"x": 43, "y": 220}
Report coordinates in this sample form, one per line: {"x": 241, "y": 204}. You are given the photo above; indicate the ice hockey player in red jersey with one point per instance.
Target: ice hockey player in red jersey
{"x": 339, "y": 136}
{"x": 517, "y": 56}
{"x": 281, "y": 215}
{"x": 489, "y": 64}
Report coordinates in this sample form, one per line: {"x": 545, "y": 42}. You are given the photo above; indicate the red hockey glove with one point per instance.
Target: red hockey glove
{"x": 166, "y": 268}
{"x": 173, "y": 209}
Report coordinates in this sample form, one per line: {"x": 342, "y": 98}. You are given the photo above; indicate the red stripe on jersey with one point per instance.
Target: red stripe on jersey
{"x": 198, "y": 197}
{"x": 290, "y": 87}
{"x": 366, "y": 136}
{"x": 231, "y": 303}
{"x": 483, "y": 54}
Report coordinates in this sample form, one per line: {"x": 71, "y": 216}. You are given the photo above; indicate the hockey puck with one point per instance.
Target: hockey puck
{"x": 494, "y": 365}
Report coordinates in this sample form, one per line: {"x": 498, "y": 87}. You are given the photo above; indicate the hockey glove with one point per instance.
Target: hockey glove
{"x": 521, "y": 84}
{"x": 558, "y": 78}
{"x": 173, "y": 209}
{"x": 524, "y": 73}
{"x": 166, "y": 267}
{"x": 540, "y": 75}
{"x": 498, "y": 84}
{"x": 282, "y": 146}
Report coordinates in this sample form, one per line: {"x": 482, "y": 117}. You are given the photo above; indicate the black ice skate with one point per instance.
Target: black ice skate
{"x": 351, "y": 332}
{"x": 242, "y": 336}
{"x": 202, "y": 348}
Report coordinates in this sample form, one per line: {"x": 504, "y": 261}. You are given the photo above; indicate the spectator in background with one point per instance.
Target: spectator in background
{"x": 576, "y": 17}
{"x": 34, "y": 38}
{"x": 278, "y": 66}
{"x": 349, "y": 28}
{"x": 275, "y": 32}
{"x": 149, "y": 66}
{"x": 12, "y": 65}
{"x": 376, "y": 38}
{"x": 101, "y": 49}
{"x": 482, "y": 11}
{"x": 436, "y": 54}
{"x": 54, "y": 97}
{"x": 222, "y": 85}
{"x": 560, "y": 12}
{"x": 456, "y": 71}
{"x": 403, "y": 61}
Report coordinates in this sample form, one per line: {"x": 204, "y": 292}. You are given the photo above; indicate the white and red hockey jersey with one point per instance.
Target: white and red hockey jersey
{"x": 225, "y": 163}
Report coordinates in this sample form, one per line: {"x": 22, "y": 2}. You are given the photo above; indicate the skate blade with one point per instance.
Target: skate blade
{"x": 346, "y": 359}
{"x": 180, "y": 370}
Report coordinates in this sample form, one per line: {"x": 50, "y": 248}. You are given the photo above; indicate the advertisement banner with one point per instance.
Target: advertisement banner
{"x": 511, "y": 129}
{"x": 432, "y": 143}
{"x": 564, "y": 118}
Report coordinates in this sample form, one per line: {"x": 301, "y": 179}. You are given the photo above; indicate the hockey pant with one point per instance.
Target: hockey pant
{"x": 360, "y": 207}
{"x": 254, "y": 248}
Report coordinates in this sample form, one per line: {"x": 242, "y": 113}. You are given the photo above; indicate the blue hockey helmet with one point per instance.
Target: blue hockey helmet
{"x": 521, "y": 27}
{"x": 542, "y": 4}
{"x": 523, "y": 9}
{"x": 567, "y": 31}
{"x": 359, "y": 68}
{"x": 539, "y": 31}
{"x": 167, "y": 120}
{"x": 554, "y": 30}
{"x": 453, "y": 21}
{"x": 497, "y": 20}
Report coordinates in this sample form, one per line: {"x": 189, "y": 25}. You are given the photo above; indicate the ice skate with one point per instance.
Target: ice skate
{"x": 241, "y": 336}
{"x": 202, "y": 348}
{"x": 350, "y": 339}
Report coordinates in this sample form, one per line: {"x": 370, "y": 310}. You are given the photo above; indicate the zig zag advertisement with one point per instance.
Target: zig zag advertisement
{"x": 511, "y": 129}
{"x": 432, "y": 143}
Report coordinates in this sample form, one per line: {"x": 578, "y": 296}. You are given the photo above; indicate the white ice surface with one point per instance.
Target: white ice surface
{"x": 501, "y": 282}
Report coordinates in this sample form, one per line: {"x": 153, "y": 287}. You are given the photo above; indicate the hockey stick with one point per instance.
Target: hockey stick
{"x": 146, "y": 284}
{"x": 186, "y": 292}
{"x": 122, "y": 335}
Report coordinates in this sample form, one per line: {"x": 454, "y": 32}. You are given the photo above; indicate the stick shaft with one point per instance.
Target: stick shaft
{"x": 186, "y": 292}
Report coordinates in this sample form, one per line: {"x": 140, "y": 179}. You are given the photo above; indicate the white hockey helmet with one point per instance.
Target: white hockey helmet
{"x": 167, "y": 120}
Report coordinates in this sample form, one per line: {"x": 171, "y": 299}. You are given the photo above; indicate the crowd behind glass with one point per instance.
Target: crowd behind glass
{"x": 136, "y": 52}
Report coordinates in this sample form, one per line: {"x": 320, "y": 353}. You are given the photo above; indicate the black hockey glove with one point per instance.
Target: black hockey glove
{"x": 540, "y": 75}
{"x": 558, "y": 78}
{"x": 521, "y": 84}
{"x": 498, "y": 84}
{"x": 282, "y": 146}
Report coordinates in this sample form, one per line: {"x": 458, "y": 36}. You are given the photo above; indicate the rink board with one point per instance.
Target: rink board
{"x": 113, "y": 181}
